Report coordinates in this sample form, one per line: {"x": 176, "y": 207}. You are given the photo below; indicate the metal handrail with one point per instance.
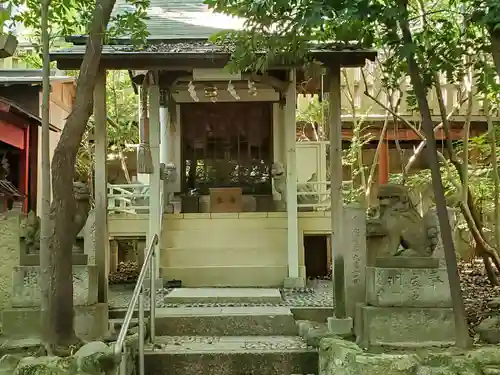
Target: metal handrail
{"x": 138, "y": 297}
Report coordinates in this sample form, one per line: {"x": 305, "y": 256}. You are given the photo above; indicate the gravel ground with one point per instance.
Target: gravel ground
{"x": 318, "y": 293}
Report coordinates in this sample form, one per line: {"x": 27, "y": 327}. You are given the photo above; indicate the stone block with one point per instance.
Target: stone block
{"x": 294, "y": 282}
{"x": 34, "y": 259}
{"x": 406, "y": 287}
{"x": 406, "y": 262}
{"x": 315, "y": 314}
{"x": 406, "y": 326}
{"x": 88, "y": 234}
{"x": 26, "y": 289}
{"x": 231, "y": 355}
{"x": 340, "y": 326}
{"x": 224, "y": 295}
{"x": 225, "y": 321}
{"x": 9, "y": 253}
{"x": 355, "y": 256}
{"x": 91, "y": 322}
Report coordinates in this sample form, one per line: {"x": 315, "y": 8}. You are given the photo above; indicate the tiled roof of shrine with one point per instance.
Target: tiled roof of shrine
{"x": 175, "y": 27}
{"x": 182, "y": 19}
{"x": 9, "y": 191}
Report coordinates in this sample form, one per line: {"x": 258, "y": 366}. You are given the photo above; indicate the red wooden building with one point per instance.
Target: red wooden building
{"x": 19, "y": 131}
{"x": 20, "y": 126}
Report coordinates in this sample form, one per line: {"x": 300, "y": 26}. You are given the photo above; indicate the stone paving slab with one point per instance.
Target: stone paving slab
{"x": 220, "y": 311}
{"x": 237, "y": 295}
{"x": 225, "y": 321}
{"x": 229, "y": 344}
{"x": 319, "y": 294}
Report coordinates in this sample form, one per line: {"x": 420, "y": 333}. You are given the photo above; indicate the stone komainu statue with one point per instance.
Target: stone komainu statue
{"x": 402, "y": 225}
{"x": 278, "y": 174}
{"x": 168, "y": 174}
{"x": 31, "y": 225}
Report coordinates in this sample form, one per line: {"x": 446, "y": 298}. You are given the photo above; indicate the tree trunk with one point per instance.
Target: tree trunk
{"x": 494, "y": 165}
{"x": 495, "y": 48}
{"x": 462, "y": 332}
{"x": 60, "y": 326}
{"x": 45, "y": 224}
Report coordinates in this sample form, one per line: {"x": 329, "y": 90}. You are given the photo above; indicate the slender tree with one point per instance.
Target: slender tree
{"x": 45, "y": 230}
{"x": 69, "y": 17}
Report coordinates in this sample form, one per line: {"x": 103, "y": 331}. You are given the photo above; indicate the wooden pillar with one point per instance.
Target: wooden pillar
{"x": 337, "y": 207}
{"x": 100, "y": 189}
{"x": 164, "y": 127}
{"x": 383, "y": 163}
{"x": 113, "y": 262}
{"x": 291, "y": 182}
{"x": 155, "y": 206}
{"x": 278, "y": 137}
{"x": 164, "y": 146}
{"x": 142, "y": 178}
{"x": 24, "y": 168}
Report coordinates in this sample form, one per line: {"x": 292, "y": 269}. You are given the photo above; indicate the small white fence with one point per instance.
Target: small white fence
{"x": 128, "y": 198}
{"x": 134, "y": 198}
{"x": 313, "y": 196}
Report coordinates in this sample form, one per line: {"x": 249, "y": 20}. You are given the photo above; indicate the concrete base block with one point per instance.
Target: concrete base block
{"x": 340, "y": 326}
{"x": 227, "y": 276}
{"x": 91, "y": 322}
{"x": 381, "y": 326}
{"x": 294, "y": 282}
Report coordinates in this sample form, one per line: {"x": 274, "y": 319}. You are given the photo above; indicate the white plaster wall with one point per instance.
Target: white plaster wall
{"x": 228, "y": 249}
{"x": 245, "y": 249}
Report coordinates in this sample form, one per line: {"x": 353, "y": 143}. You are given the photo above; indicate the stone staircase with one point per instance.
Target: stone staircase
{"x": 227, "y": 333}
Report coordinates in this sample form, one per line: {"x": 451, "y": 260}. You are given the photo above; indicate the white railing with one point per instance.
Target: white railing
{"x": 128, "y": 198}
{"x": 313, "y": 196}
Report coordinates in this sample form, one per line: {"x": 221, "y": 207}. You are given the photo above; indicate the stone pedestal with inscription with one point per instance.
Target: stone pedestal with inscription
{"x": 23, "y": 318}
{"x": 21, "y": 309}
{"x": 408, "y": 303}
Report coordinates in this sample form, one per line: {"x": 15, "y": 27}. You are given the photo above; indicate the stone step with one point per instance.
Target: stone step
{"x": 224, "y": 295}
{"x": 224, "y": 321}
{"x": 119, "y": 313}
{"x": 269, "y": 355}
{"x": 316, "y": 314}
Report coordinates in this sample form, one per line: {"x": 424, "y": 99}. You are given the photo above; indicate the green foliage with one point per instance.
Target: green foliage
{"x": 315, "y": 112}
{"x": 122, "y": 125}
{"x": 446, "y": 39}
{"x": 72, "y": 17}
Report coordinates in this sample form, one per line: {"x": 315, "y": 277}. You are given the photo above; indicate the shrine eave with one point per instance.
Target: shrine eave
{"x": 123, "y": 58}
